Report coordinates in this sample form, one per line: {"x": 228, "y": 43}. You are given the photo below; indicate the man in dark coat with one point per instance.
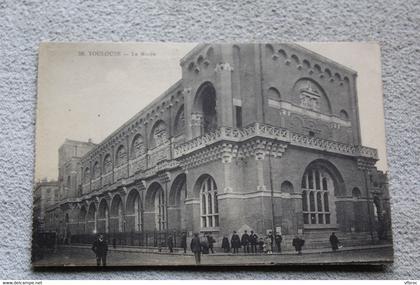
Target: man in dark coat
{"x": 253, "y": 240}
{"x": 211, "y": 242}
{"x": 184, "y": 242}
{"x": 170, "y": 244}
{"x": 278, "y": 239}
{"x": 298, "y": 244}
{"x": 235, "y": 242}
{"x": 245, "y": 242}
{"x": 334, "y": 242}
{"x": 196, "y": 248}
{"x": 100, "y": 248}
{"x": 225, "y": 244}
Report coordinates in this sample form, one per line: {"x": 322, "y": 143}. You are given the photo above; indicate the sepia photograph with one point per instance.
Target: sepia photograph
{"x": 210, "y": 154}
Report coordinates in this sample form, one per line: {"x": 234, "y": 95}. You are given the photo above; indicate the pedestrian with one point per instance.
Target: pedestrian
{"x": 261, "y": 244}
{"x": 334, "y": 242}
{"x": 270, "y": 235}
{"x": 268, "y": 245}
{"x": 253, "y": 239}
{"x": 100, "y": 248}
{"x": 184, "y": 242}
{"x": 170, "y": 244}
{"x": 278, "y": 239}
{"x": 204, "y": 245}
{"x": 245, "y": 242}
{"x": 235, "y": 242}
{"x": 196, "y": 248}
{"x": 210, "y": 241}
{"x": 298, "y": 244}
{"x": 225, "y": 244}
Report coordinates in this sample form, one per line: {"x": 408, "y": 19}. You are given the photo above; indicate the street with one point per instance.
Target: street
{"x": 77, "y": 256}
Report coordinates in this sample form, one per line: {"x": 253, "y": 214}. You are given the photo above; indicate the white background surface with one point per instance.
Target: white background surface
{"x": 24, "y": 24}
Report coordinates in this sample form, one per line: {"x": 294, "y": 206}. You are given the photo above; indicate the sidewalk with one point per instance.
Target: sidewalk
{"x": 179, "y": 251}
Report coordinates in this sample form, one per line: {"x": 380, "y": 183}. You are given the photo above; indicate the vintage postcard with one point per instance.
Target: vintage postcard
{"x": 210, "y": 154}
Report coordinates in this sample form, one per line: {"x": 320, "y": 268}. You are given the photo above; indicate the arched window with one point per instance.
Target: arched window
{"x": 137, "y": 147}
{"x": 159, "y": 134}
{"x": 121, "y": 156}
{"x": 86, "y": 176}
{"x": 205, "y": 105}
{"x": 317, "y": 186}
{"x": 209, "y": 203}
{"x": 180, "y": 121}
{"x": 355, "y": 193}
{"x": 286, "y": 187}
{"x": 95, "y": 170}
{"x": 107, "y": 163}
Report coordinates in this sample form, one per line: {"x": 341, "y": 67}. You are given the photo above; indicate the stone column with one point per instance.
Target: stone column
{"x": 188, "y": 101}
{"x": 226, "y": 160}
{"x": 224, "y": 94}
{"x": 196, "y": 124}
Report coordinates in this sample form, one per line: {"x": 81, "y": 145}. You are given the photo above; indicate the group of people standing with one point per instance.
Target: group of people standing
{"x": 251, "y": 243}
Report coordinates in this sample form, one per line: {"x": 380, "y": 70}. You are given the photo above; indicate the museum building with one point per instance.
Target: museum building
{"x": 253, "y": 137}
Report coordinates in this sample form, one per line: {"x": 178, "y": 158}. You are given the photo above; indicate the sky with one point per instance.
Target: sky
{"x": 86, "y": 91}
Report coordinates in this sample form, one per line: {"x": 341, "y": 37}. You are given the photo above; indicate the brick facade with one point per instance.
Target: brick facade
{"x": 228, "y": 147}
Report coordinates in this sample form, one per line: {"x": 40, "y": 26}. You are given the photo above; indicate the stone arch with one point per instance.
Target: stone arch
{"x": 328, "y": 72}
{"x": 200, "y": 59}
{"x": 120, "y": 156}
{"x": 321, "y": 183}
{"x": 356, "y": 193}
{"x": 210, "y": 53}
{"x": 155, "y": 204}
{"x": 137, "y": 146}
{"x": 286, "y": 187}
{"x": 86, "y": 175}
{"x": 206, "y": 190}
{"x": 103, "y": 216}
{"x": 311, "y": 95}
{"x": 116, "y": 217}
{"x": 317, "y": 68}
{"x": 295, "y": 59}
{"x": 91, "y": 219}
{"x": 344, "y": 115}
{"x": 205, "y": 108}
{"x": 179, "y": 124}
{"x": 134, "y": 211}
{"x": 177, "y": 209}
{"x": 306, "y": 63}
{"x": 282, "y": 53}
{"x": 273, "y": 94}
{"x": 269, "y": 50}
{"x": 158, "y": 134}
{"x": 337, "y": 76}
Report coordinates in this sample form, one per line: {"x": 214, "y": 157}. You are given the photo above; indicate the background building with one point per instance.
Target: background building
{"x": 45, "y": 195}
{"x": 253, "y": 137}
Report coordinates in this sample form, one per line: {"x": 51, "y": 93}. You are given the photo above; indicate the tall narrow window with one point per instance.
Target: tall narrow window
{"x": 315, "y": 197}
{"x": 160, "y": 210}
{"x": 209, "y": 203}
{"x": 238, "y": 112}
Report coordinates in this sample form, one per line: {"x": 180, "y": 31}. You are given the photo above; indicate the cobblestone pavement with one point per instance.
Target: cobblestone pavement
{"x": 84, "y": 257}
